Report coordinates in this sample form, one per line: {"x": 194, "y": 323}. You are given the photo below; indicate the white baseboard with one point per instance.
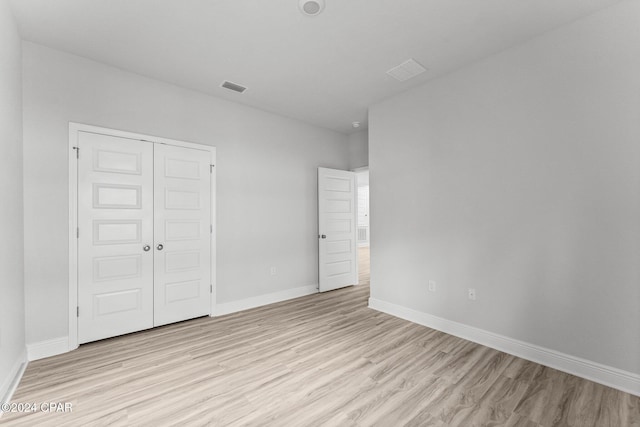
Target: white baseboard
{"x": 48, "y": 348}
{"x": 606, "y": 375}
{"x": 10, "y": 383}
{"x": 55, "y": 346}
{"x": 259, "y": 301}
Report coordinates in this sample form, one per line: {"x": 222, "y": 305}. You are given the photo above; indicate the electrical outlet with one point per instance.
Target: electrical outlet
{"x": 472, "y": 294}
{"x": 273, "y": 271}
{"x": 432, "y": 285}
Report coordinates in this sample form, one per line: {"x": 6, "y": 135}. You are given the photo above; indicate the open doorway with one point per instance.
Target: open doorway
{"x": 364, "y": 228}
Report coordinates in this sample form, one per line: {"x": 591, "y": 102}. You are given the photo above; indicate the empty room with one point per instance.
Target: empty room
{"x": 320, "y": 213}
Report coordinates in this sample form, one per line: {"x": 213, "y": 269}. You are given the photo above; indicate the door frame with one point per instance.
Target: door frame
{"x": 74, "y": 129}
{"x": 358, "y": 170}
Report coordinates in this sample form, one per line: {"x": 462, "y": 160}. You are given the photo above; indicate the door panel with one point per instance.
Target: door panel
{"x": 337, "y": 223}
{"x": 113, "y": 196}
{"x": 182, "y": 199}
{"x": 114, "y": 231}
{"x": 115, "y": 211}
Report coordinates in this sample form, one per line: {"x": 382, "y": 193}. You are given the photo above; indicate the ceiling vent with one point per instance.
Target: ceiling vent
{"x": 311, "y": 7}
{"x": 232, "y": 86}
{"x": 406, "y": 70}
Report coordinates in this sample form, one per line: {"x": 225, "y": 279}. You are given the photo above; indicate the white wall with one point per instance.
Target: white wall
{"x": 267, "y": 202}
{"x": 12, "y": 335}
{"x": 359, "y": 149}
{"x": 519, "y": 176}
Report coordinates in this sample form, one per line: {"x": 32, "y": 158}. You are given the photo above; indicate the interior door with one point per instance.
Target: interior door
{"x": 337, "y": 229}
{"x": 182, "y": 234}
{"x": 115, "y": 234}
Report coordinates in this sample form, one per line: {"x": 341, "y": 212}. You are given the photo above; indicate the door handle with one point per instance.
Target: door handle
{"x": 146, "y": 248}
{"x": 160, "y": 247}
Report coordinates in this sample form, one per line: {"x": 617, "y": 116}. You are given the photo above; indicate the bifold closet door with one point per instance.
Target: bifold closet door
{"x": 115, "y": 236}
{"x": 182, "y": 246}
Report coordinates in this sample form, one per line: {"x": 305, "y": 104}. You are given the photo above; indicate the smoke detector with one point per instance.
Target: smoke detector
{"x": 311, "y": 7}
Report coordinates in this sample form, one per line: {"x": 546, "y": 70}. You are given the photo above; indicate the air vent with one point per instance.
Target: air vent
{"x": 408, "y": 69}
{"x": 232, "y": 86}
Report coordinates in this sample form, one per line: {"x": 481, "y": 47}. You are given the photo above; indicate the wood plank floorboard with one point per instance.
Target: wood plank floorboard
{"x": 320, "y": 360}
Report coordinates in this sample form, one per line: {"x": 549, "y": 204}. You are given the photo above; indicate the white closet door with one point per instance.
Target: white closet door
{"x": 115, "y": 223}
{"x": 182, "y": 198}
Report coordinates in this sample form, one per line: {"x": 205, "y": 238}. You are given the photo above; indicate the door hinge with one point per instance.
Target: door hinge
{"x": 78, "y": 233}
{"x": 210, "y": 289}
{"x": 211, "y": 168}
{"x": 210, "y": 228}
{"x": 77, "y": 152}
{"x": 77, "y": 311}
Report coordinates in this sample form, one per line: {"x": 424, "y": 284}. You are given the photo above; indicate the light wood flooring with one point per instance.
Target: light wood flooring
{"x": 363, "y": 265}
{"x": 323, "y": 359}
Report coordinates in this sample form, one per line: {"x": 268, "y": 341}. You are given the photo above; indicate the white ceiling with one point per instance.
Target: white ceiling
{"x": 325, "y": 70}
